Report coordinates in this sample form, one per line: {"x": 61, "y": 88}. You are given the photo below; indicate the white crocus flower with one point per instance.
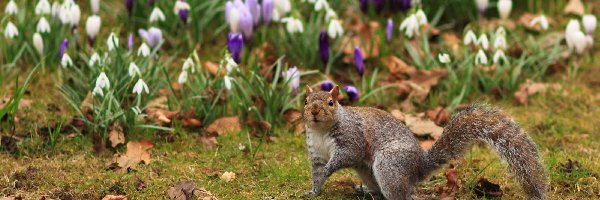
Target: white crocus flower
{"x": 112, "y": 42}
{"x": 483, "y": 41}
{"x": 94, "y": 59}
{"x": 11, "y": 31}
{"x": 95, "y": 5}
{"x": 133, "y": 70}
{"x": 97, "y": 92}
{"x": 180, "y": 5}
{"x": 144, "y": 50}
{"x": 11, "y": 8}
{"x": 444, "y": 58}
{"x": 56, "y": 10}
{"x": 188, "y": 64}
{"x": 230, "y": 65}
{"x": 575, "y": 38}
{"x": 589, "y": 41}
{"x": 498, "y": 56}
{"x": 504, "y": 8}
{"x": 92, "y": 26}
{"x": 157, "y": 15}
{"x": 542, "y": 20}
{"x": 410, "y": 26}
{"x": 43, "y": 26}
{"x": 182, "y": 78}
{"x": 470, "y": 38}
{"x": 500, "y": 42}
{"x": 590, "y": 22}
{"x": 320, "y": 5}
{"x": 66, "y": 61}
{"x": 43, "y": 7}
{"x": 421, "y": 17}
{"x": 140, "y": 87}
{"x": 293, "y": 25}
{"x": 481, "y": 58}
{"x": 70, "y": 13}
{"x": 335, "y": 29}
{"x": 482, "y": 4}
{"x": 227, "y": 81}
{"x": 38, "y": 43}
{"x": 102, "y": 81}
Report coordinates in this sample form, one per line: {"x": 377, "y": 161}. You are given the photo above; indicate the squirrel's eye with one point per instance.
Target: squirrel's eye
{"x": 330, "y": 102}
{"x": 305, "y": 101}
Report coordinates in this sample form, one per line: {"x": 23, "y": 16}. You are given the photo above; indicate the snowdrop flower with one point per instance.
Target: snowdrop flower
{"x": 144, "y": 50}
{"x": 590, "y": 22}
{"x": 133, "y": 70}
{"x": 323, "y": 47}
{"x": 38, "y": 43}
{"x": 97, "y": 92}
{"x": 95, "y": 5}
{"x": 292, "y": 76}
{"x": 281, "y": 7}
{"x": 481, "y": 58}
{"x": 56, "y": 10}
{"x": 63, "y": 47}
{"x": 389, "y": 30}
{"x": 102, "y": 81}
{"x": 483, "y": 41}
{"x": 182, "y": 78}
{"x": 43, "y": 26}
{"x": 320, "y": 5}
{"x": 335, "y": 29}
{"x": 235, "y": 44}
{"x": 43, "y": 7}
{"x": 112, "y": 42}
{"x": 95, "y": 59}
{"x": 573, "y": 26}
{"x": 444, "y": 58}
{"x": 92, "y": 28}
{"x": 482, "y": 6}
{"x": 153, "y": 36}
{"x": 230, "y": 65}
{"x": 254, "y": 9}
{"x": 499, "y": 42}
{"x": 499, "y": 55}
{"x": 326, "y": 85}
{"x": 70, "y": 13}
{"x": 66, "y": 61}
{"x": 11, "y": 8}
{"x": 410, "y": 26}
{"x": 352, "y": 92}
{"x": 227, "y": 82}
{"x": 188, "y": 64}
{"x": 182, "y": 9}
{"x": 267, "y": 11}
{"x": 11, "y": 31}
{"x": 470, "y": 38}
{"x": 359, "y": 60}
{"x": 421, "y": 17}
{"x": 140, "y": 87}
{"x": 542, "y": 20}
{"x": 293, "y": 25}
{"x": 157, "y": 15}
{"x": 501, "y": 31}
{"x": 504, "y": 8}
{"x": 575, "y": 38}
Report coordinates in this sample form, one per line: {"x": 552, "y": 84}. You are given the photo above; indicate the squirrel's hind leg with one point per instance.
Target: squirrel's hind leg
{"x": 369, "y": 184}
{"x": 396, "y": 173}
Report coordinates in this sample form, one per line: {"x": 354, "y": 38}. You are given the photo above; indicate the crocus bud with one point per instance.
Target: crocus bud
{"x": 482, "y": 6}
{"x": 153, "y": 36}
{"x": 232, "y": 16}
{"x": 11, "y": 8}
{"x": 43, "y": 26}
{"x": 292, "y": 76}
{"x": 43, "y": 7}
{"x": 326, "y": 85}
{"x": 130, "y": 41}
{"x": 504, "y": 8}
{"x": 63, "y": 47}
{"x": 92, "y": 27}
{"x": 267, "y": 9}
{"x": 352, "y": 92}
{"x": 254, "y": 9}
{"x": 335, "y": 29}
{"x": 235, "y": 43}
{"x": 182, "y": 9}
{"x": 157, "y": 15}
{"x": 95, "y": 5}
{"x": 481, "y": 58}
{"x": 11, "y": 31}
{"x": 389, "y": 30}
{"x": 246, "y": 23}
{"x": 590, "y": 23}
{"x": 112, "y": 42}
{"x": 38, "y": 43}
{"x": 139, "y": 87}
{"x": 358, "y": 59}
{"x": 129, "y": 5}
{"x": 324, "y": 46}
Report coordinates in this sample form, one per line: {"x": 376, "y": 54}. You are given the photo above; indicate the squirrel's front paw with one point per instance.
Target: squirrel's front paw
{"x": 311, "y": 193}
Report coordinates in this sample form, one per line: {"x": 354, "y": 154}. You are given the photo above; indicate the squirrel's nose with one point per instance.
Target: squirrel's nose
{"x": 314, "y": 112}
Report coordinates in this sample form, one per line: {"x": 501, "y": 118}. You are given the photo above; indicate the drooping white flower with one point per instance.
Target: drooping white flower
{"x": 499, "y": 42}
{"x": 575, "y": 37}
{"x": 335, "y": 29}
{"x": 94, "y": 59}
{"x": 504, "y": 8}
{"x": 66, "y": 61}
{"x": 481, "y": 58}
{"x": 157, "y": 15}
{"x": 483, "y": 41}
{"x": 102, "y": 81}
{"x": 227, "y": 81}
{"x": 11, "y": 8}
{"x": 112, "y": 42}
{"x": 188, "y": 64}
{"x": 590, "y": 22}
{"x": 95, "y": 5}
{"x": 421, "y": 17}
{"x": 43, "y": 26}
{"x": 542, "y": 20}
{"x": 140, "y": 87}
{"x": 92, "y": 26}
{"x": 573, "y": 26}
{"x": 43, "y": 7}
{"x": 230, "y": 65}
{"x": 444, "y": 58}
{"x": 144, "y": 50}
{"x": 470, "y": 38}
{"x": 11, "y": 31}
{"x": 498, "y": 56}
{"x": 410, "y": 26}
{"x": 98, "y": 92}
{"x": 133, "y": 70}
{"x": 38, "y": 43}
{"x": 281, "y": 7}
{"x": 293, "y": 25}
{"x": 321, "y": 4}
{"x": 182, "y": 78}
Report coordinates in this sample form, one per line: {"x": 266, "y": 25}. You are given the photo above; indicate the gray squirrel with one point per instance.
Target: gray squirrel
{"x": 387, "y": 157}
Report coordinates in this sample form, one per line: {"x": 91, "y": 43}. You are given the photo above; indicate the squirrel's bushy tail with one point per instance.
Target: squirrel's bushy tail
{"x": 492, "y": 126}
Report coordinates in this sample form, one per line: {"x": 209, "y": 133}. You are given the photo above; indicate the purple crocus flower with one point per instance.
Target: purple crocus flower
{"x": 364, "y": 5}
{"x": 326, "y": 85}
{"x": 254, "y": 9}
{"x": 150, "y": 3}
{"x": 63, "y": 47}
{"x": 183, "y": 14}
{"x": 129, "y": 5}
{"x": 324, "y": 46}
{"x": 153, "y": 36}
{"x": 130, "y": 41}
{"x": 235, "y": 43}
{"x": 246, "y": 22}
{"x": 379, "y": 4}
{"x": 389, "y": 30}
{"x": 358, "y": 58}
{"x": 352, "y": 92}
{"x": 405, "y": 5}
{"x": 267, "y": 9}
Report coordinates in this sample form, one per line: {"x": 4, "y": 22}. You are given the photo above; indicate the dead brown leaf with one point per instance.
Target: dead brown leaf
{"x": 158, "y": 112}
{"x": 574, "y": 7}
{"x": 487, "y": 189}
{"x": 114, "y": 197}
{"x": 426, "y": 144}
{"x": 208, "y": 140}
{"x": 439, "y": 115}
{"x": 422, "y": 126}
{"x": 136, "y": 152}
{"x": 292, "y": 115}
{"x": 399, "y": 115}
{"x": 228, "y": 176}
{"x": 116, "y": 135}
{"x": 396, "y": 66}
{"x": 224, "y": 125}
{"x": 453, "y": 41}
{"x": 213, "y": 68}
{"x": 186, "y": 190}
{"x": 529, "y": 88}
{"x": 452, "y": 185}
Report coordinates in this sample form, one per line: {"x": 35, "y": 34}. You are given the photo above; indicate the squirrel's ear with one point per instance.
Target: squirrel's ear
{"x": 308, "y": 90}
{"x": 335, "y": 92}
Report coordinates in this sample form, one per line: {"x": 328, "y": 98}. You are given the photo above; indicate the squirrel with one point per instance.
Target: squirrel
{"x": 387, "y": 157}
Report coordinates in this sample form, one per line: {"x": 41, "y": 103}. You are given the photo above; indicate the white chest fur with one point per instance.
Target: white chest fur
{"x": 319, "y": 143}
